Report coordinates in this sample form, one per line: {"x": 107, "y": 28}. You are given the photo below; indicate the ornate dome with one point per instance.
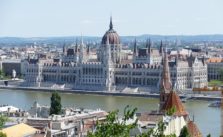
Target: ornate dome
{"x": 111, "y": 34}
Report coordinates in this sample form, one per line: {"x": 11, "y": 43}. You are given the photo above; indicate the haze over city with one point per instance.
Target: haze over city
{"x": 25, "y": 18}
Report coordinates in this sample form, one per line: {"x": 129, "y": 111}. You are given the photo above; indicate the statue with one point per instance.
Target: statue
{"x": 13, "y": 74}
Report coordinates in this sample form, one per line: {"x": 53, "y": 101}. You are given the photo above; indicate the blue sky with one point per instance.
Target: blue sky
{"x": 33, "y": 18}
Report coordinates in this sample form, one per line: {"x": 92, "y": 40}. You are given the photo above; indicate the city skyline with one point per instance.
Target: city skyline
{"x": 91, "y": 18}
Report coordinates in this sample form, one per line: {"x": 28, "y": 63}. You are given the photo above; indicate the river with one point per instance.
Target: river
{"x": 208, "y": 119}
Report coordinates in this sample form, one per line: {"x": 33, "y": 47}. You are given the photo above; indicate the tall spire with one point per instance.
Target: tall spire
{"x": 165, "y": 82}
{"x": 64, "y": 47}
{"x": 148, "y": 45}
{"x": 111, "y": 24}
{"x": 135, "y": 47}
{"x": 88, "y": 49}
{"x": 166, "y": 85}
{"x": 81, "y": 56}
{"x": 76, "y": 47}
{"x": 161, "y": 47}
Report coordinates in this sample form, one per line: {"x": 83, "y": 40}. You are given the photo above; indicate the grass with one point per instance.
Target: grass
{"x": 215, "y": 83}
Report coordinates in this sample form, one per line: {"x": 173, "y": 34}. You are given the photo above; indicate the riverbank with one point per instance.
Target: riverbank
{"x": 113, "y": 93}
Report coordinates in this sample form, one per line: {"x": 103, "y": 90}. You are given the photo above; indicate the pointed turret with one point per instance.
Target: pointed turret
{"x": 111, "y": 24}
{"x": 135, "y": 48}
{"x": 165, "y": 83}
{"x": 64, "y": 48}
{"x": 76, "y": 47}
{"x": 148, "y": 45}
{"x": 161, "y": 47}
{"x": 81, "y": 56}
{"x": 88, "y": 49}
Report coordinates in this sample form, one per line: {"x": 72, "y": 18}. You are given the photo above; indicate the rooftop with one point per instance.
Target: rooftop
{"x": 215, "y": 60}
{"x": 19, "y": 130}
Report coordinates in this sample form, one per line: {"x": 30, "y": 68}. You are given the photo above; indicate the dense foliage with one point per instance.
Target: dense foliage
{"x": 113, "y": 127}
{"x": 3, "y": 119}
{"x": 55, "y": 104}
{"x": 1, "y": 74}
{"x": 184, "y": 132}
{"x": 2, "y": 134}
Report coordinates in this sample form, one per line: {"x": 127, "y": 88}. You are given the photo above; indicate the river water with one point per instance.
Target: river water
{"x": 208, "y": 119}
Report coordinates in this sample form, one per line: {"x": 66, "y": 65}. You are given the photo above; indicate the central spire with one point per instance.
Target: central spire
{"x": 111, "y": 24}
{"x": 166, "y": 84}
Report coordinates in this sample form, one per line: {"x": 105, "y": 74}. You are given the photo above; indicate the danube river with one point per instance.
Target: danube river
{"x": 208, "y": 119}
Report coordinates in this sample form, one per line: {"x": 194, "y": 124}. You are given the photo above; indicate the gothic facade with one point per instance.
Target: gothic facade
{"x": 110, "y": 72}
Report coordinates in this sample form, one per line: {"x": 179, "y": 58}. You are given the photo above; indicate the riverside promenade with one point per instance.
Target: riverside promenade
{"x": 111, "y": 93}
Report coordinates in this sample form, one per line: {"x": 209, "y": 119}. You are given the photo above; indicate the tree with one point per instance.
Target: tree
{"x": 113, "y": 127}
{"x": 171, "y": 111}
{"x": 55, "y": 104}
{"x": 184, "y": 132}
{"x": 1, "y": 74}
{"x": 2, "y": 134}
{"x": 209, "y": 135}
{"x": 3, "y": 119}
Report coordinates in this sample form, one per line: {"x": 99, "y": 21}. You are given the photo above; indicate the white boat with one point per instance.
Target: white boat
{"x": 215, "y": 104}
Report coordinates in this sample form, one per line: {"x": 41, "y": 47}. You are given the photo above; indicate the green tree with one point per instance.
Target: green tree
{"x": 171, "y": 111}
{"x": 1, "y": 74}
{"x": 55, "y": 104}
{"x": 209, "y": 135}
{"x": 2, "y": 134}
{"x": 3, "y": 119}
{"x": 113, "y": 127}
{"x": 184, "y": 132}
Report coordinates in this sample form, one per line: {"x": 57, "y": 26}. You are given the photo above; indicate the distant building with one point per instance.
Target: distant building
{"x": 20, "y": 130}
{"x": 9, "y": 65}
{"x": 147, "y": 55}
{"x": 169, "y": 99}
{"x": 114, "y": 68}
{"x": 72, "y": 122}
{"x": 215, "y": 64}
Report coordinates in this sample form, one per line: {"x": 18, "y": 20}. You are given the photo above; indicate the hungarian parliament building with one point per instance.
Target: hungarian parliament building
{"x": 110, "y": 68}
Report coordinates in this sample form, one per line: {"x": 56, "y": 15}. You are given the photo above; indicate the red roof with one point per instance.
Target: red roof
{"x": 193, "y": 129}
{"x": 173, "y": 100}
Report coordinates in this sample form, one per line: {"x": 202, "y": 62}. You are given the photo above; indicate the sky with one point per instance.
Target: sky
{"x": 43, "y": 18}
